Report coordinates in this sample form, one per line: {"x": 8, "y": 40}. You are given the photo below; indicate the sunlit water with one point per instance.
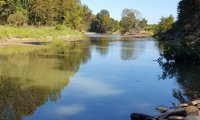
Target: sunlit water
{"x": 103, "y": 78}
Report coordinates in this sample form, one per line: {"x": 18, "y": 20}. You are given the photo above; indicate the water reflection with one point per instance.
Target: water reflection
{"x": 187, "y": 77}
{"x": 131, "y": 49}
{"x": 102, "y": 78}
{"x": 91, "y": 87}
{"x": 70, "y": 110}
{"x": 27, "y": 81}
{"x": 101, "y": 45}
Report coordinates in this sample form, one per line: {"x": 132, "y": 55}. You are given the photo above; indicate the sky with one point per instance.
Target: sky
{"x": 152, "y": 10}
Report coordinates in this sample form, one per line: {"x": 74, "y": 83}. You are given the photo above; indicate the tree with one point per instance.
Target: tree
{"x": 102, "y": 23}
{"x": 143, "y": 23}
{"x": 87, "y": 17}
{"x": 71, "y": 13}
{"x": 165, "y": 24}
{"x": 130, "y": 21}
{"x": 17, "y": 19}
{"x": 7, "y": 7}
{"x": 104, "y": 18}
{"x": 182, "y": 40}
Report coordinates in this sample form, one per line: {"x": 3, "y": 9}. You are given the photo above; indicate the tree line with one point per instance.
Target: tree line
{"x": 131, "y": 22}
{"x": 182, "y": 38}
{"x": 71, "y": 13}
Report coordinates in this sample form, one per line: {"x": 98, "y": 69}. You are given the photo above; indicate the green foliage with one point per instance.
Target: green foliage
{"x": 48, "y": 12}
{"x": 165, "y": 24}
{"x": 60, "y": 27}
{"x": 17, "y": 19}
{"x": 143, "y": 23}
{"x": 131, "y": 21}
{"x": 183, "y": 43}
{"x": 102, "y": 23}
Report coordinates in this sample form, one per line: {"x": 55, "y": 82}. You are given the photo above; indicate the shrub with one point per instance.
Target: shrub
{"x": 17, "y": 19}
{"x": 60, "y": 27}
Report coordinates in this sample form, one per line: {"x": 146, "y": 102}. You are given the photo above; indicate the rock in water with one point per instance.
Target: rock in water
{"x": 162, "y": 109}
{"x": 139, "y": 116}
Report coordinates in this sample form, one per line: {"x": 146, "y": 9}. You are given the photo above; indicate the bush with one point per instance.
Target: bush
{"x": 60, "y": 27}
{"x": 17, "y": 19}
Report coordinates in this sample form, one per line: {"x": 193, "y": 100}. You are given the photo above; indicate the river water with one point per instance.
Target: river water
{"x": 106, "y": 77}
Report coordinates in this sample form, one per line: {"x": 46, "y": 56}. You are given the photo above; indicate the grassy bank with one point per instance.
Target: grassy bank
{"x": 54, "y": 44}
{"x": 9, "y": 32}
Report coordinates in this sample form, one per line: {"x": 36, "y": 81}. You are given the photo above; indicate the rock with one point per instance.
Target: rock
{"x": 183, "y": 105}
{"x": 176, "y": 118}
{"x": 139, "y": 116}
{"x": 174, "y": 112}
{"x": 192, "y": 110}
{"x": 198, "y": 106}
{"x": 195, "y": 102}
{"x": 192, "y": 118}
{"x": 162, "y": 109}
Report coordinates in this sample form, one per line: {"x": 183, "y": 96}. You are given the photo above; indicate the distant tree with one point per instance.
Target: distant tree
{"x": 143, "y": 23}
{"x": 7, "y": 7}
{"x": 114, "y": 24}
{"x": 130, "y": 21}
{"x": 102, "y": 23}
{"x": 70, "y": 13}
{"x": 17, "y": 19}
{"x": 87, "y": 17}
{"x": 104, "y": 18}
{"x": 165, "y": 24}
{"x": 95, "y": 25}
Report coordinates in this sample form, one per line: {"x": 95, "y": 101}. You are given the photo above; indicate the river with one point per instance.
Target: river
{"x": 106, "y": 77}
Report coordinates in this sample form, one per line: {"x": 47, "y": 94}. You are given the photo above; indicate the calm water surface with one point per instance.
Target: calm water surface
{"x": 103, "y": 78}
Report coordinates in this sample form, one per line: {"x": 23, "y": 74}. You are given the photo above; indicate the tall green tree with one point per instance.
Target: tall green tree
{"x": 130, "y": 21}
{"x": 101, "y": 23}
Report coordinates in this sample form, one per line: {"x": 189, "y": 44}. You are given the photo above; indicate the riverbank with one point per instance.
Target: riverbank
{"x": 10, "y": 32}
{"x": 141, "y": 34}
{"x": 25, "y": 39}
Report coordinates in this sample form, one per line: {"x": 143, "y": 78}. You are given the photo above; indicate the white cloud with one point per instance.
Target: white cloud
{"x": 70, "y": 110}
{"x": 94, "y": 87}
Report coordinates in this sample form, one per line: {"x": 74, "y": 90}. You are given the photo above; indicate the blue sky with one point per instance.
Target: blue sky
{"x": 152, "y": 10}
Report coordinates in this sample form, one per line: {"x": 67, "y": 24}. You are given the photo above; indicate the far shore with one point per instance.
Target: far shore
{"x": 28, "y": 36}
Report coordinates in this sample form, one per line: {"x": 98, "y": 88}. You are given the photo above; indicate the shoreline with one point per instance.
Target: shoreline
{"x": 27, "y": 41}
{"x": 36, "y": 41}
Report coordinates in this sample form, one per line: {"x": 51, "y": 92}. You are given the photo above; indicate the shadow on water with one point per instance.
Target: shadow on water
{"x": 36, "y": 43}
{"x": 186, "y": 76}
{"x": 27, "y": 81}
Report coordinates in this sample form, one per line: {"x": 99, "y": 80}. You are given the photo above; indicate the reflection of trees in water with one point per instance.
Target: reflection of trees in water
{"x": 187, "y": 77}
{"x": 101, "y": 44}
{"x": 28, "y": 81}
{"x": 131, "y": 49}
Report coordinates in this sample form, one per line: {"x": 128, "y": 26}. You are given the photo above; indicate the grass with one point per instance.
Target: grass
{"x": 7, "y": 32}
{"x": 54, "y": 44}
{"x": 18, "y": 49}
